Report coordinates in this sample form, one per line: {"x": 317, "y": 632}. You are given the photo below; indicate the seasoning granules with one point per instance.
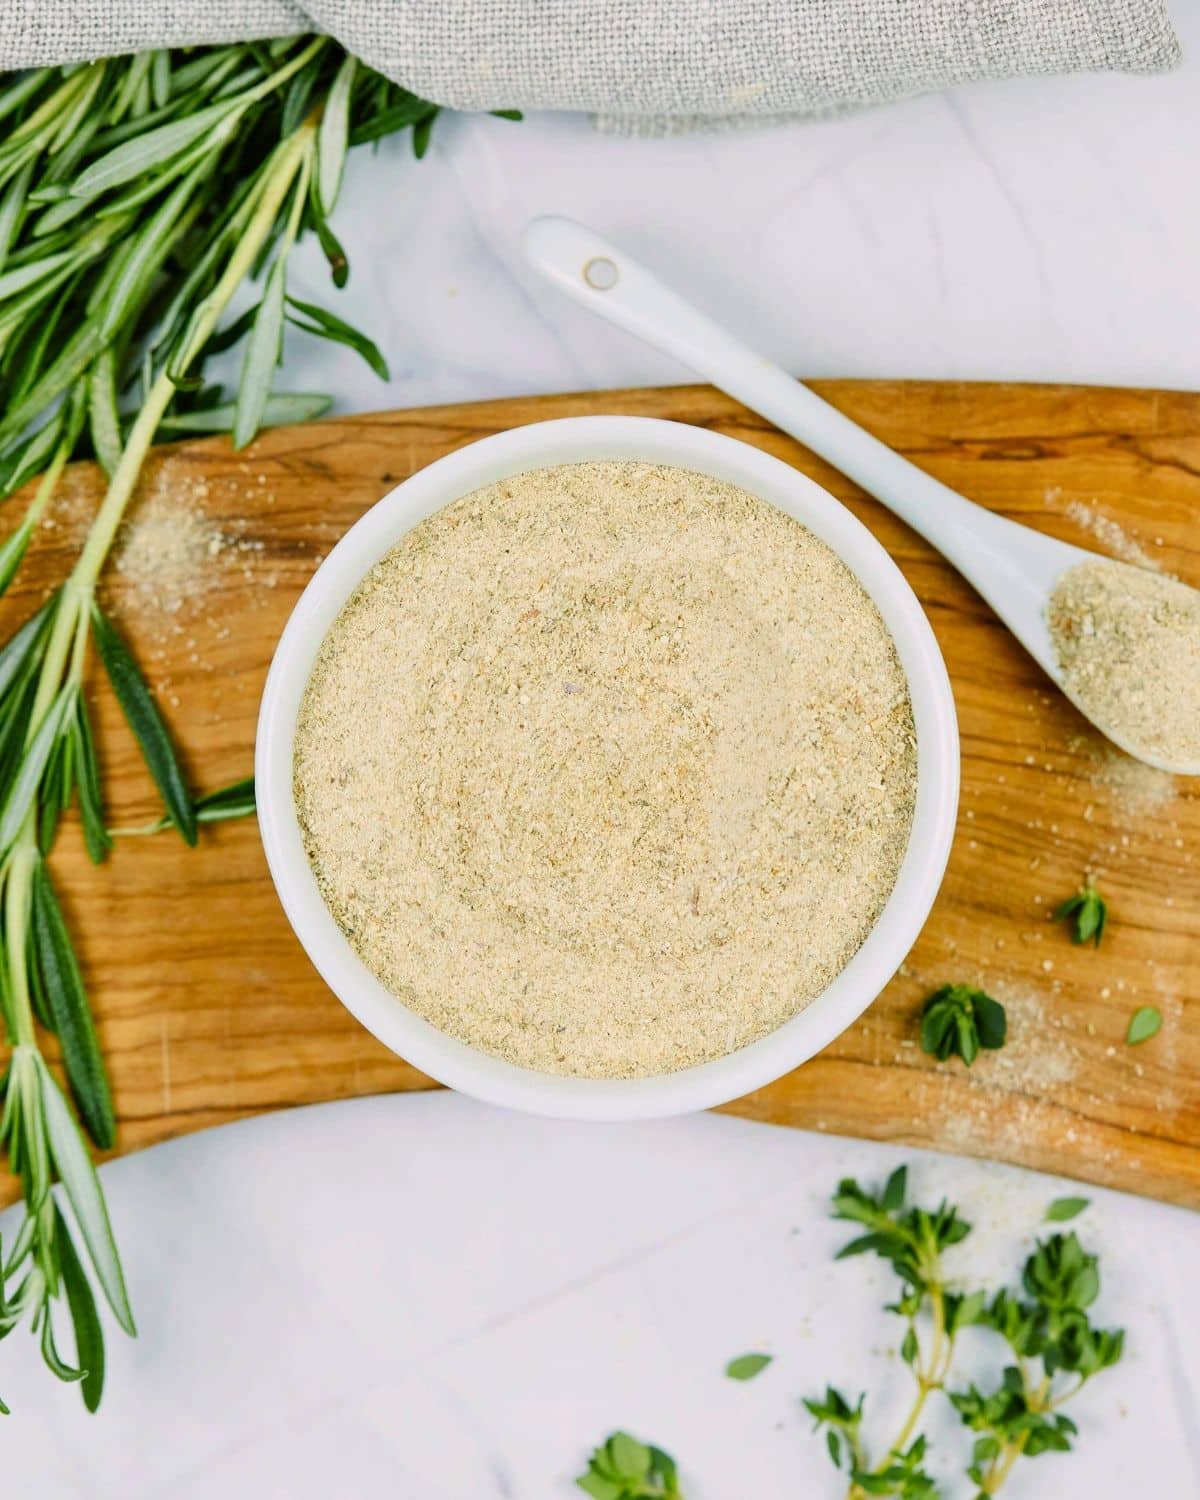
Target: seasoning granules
{"x": 1128, "y": 642}
{"x": 607, "y": 769}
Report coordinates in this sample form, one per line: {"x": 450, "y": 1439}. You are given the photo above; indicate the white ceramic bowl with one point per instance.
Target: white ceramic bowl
{"x": 576, "y": 440}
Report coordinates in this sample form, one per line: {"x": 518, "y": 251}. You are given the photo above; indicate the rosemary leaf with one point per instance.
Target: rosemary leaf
{"x": 20, "y": 799}
{"x": 25, "y": 276}
{"x": 296, "y": 99}
{"x": 30, "y": 457}
{"x": 422, "y": 131}
{"x": 87, "y": 779}
{"x": 12, "y": 552}
{"x": 54, "y": 1361}
{"x": 333, "y": 136}
{"x": 146, "y": 722}
{"x": 160, "y": 77}
{"x": 232, "y": 335}
{"x": 331, "y": 247}
{"x": 61, "y": 211}
{"x": 103, "y": 421}
{"x": 89, "y": 1335}
{"x": 144, "y": 152}
{"x": 407, "y": 111}
{"x": 261, "y": 357}
{"x": 280, "y": 410}
{"x": 327, "y": 325}
{"x": 71, "y": 1014}
{"x": 233, "y": 801}
{"x": 82, "y": 1187}
{"x": 13, "y": 208}
{"x": 71, "y": 361}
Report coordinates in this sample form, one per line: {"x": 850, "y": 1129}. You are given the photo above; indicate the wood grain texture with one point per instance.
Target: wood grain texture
{"x": 208, "y": 1009}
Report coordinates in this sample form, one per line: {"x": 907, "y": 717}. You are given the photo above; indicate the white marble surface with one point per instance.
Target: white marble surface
{"x": 419, "y": 1298}
{"x": 1042, "y": 229}
{"x": 416, "y": 1297}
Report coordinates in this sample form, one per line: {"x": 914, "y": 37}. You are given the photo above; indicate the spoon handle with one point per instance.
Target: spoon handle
{"x": 1013, "y": 567}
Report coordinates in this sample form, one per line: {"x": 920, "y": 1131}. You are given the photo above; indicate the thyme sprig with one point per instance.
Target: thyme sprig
{"x": 912, "y": 1240}
{"x": 137, "y": 195}
{"x": 1056, "y": 1350}
{"x": 1086, "y": 912}
{"x": 1045, "y": 1325}
{"x": 625, "y": 1468}
{"x": 958, "y": 1019}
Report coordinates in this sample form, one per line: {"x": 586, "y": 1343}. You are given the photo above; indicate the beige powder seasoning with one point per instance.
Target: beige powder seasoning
{"x": 607, "y": 769}
{"x": 1129, "y": 645}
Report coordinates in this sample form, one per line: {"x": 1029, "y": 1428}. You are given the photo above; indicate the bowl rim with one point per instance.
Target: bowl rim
{"x": 574, "y": 440}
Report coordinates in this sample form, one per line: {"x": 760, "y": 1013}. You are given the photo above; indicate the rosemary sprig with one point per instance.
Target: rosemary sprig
{"x": 137, "y": 195}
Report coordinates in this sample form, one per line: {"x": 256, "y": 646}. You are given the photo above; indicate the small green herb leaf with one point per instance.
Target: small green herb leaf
{"x": 1145, "y": 1022}
{"x": 747, "y": 1366}
{"x": 1087, "y": 910}
{"x": 1064, "y": 1209}
{"x": 146, "y": 722}
{"x": 894, "y": 1190}
{"x": 957, "y": 1020}
{"x": 625, "y": 1468}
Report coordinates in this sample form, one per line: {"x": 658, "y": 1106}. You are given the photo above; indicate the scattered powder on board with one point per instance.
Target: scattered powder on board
{"x": 165, "y": 551}
{"x": 1139, "y": 788}
{"x": 172, "y": 557}
{"x": 607, "y": 769}
{"x": 1111, "y": 533}
{"x": 1128, "y": 642}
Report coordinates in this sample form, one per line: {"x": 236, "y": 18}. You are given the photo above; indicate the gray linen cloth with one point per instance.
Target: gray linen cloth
{"x": 641, "y": 65}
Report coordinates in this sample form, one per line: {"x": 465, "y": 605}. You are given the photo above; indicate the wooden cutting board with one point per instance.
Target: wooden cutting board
{"x": 208, "y": 1009}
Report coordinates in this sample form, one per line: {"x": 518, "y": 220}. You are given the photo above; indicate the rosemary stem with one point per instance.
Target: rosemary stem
{"x": 17, "y": 891}
{"x": 46, "y": 487}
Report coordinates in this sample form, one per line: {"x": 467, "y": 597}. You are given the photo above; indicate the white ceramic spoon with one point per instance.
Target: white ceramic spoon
{"x": 1012, "y": 566}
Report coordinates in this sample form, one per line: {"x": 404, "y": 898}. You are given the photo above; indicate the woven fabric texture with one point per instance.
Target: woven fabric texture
{"x": 640, "y": 64}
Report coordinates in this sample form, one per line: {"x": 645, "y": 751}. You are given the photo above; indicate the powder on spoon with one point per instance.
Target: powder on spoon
{"x": 607, "y": 769}
{"x": 1128, "y": 643}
